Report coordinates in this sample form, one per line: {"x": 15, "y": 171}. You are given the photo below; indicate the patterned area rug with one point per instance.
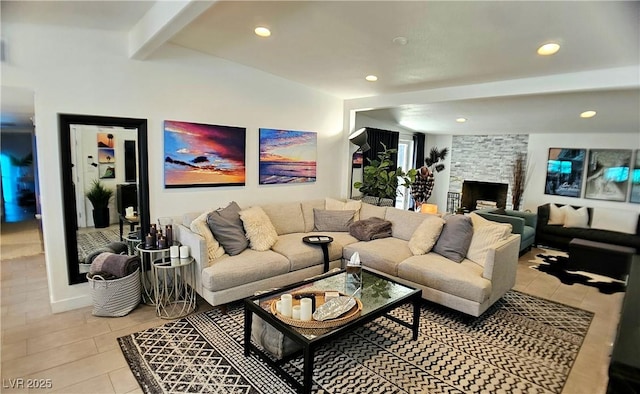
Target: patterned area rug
{"x": 88, "y": 242}
{"x": 554, "y": 263}
{"x": 521, "y": 344}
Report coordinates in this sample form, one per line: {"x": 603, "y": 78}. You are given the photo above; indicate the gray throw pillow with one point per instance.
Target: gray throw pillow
{"x": 455, "y": 238}
{"x": 328, "y": 220}
{"x": 226, "y": 226}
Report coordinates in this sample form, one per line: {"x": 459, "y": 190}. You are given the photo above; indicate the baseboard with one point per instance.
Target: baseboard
{"x": 71, "y": 304}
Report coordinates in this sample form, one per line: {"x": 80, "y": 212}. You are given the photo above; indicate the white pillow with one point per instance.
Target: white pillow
{"x": 426, "y": 235}
{"x": 260, "y": 231}
{"x": 214, "y": 249}
{"x": 620, "y": 220}
{"x": 556, "y": 215}
{"x": 331, "y": 204}
{"x": 576, "y": 218}
{"x": 485, "y": 234}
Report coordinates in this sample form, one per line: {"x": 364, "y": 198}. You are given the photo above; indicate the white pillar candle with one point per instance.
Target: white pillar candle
{"x": 129, "y": 212}
{"x": 287, "y": 304}
{"x": 174, "y": 252}
{"x": 295, "y": 312}
{"x": 305, "y": 309}
{"x": 184, "y": 252}
{"x": 279, "y": 306}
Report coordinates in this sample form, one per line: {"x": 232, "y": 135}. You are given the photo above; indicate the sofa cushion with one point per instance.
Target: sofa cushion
{"x": 437, "y": 272}
{"x": 556, "y": 215}
{"x": 307, "y": 212}
{"x": 249, "y": 266}
{"x": 486, "y": 233}
{"x": 214, "y": 250}
{"x": 380, "y": 254}
{"x": 404, "y": 223}
{"x": 455, "y": 238}
{"x": 329, "y": 220}
{"x": 287, "y": 218}
{"x": 337, "y": 205}
{"x": 426, "y": 235}
{"x": 300, "y": 255}
{"x": 226, "y": 226}
{"x": 575, "y": 217}
{"x": 368, "y": 210}
{"x": 260, "y": 232}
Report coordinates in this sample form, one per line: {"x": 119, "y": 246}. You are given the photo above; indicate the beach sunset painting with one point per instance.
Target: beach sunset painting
{"x": 287, "y": 156}
{"x": 203, "y": 155}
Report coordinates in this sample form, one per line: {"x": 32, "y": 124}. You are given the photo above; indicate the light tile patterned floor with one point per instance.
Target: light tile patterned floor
{"x": 79, "y": 353}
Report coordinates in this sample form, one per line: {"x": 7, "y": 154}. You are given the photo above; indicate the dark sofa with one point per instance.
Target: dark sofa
{"x": 559, "y": 237}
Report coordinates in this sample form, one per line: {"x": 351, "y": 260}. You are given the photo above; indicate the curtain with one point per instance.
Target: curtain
{"x": 418, "y": 149}
{"x": 375, "y": 138}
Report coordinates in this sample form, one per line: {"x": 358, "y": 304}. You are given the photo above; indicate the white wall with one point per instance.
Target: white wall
{"x": 538, "y": 152}
{"x": 88, "y": 72}
{"x": 441, "y": 185}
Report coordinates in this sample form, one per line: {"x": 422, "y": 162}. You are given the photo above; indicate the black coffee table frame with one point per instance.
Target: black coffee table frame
{"x": 310, "y": 345}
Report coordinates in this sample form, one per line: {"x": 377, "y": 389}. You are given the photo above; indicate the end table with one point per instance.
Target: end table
{"x": 323, "y": 241}
{"x": 173, "y": 287}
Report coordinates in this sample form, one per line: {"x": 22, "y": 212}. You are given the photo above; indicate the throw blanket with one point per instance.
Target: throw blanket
{"x": 369, "y": 229}
{"x": 118, "y": 265}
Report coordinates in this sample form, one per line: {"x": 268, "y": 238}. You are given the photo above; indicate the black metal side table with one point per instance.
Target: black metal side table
{"x": 323, "y": 241}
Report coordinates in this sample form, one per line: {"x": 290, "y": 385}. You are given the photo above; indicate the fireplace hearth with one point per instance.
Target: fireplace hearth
{"x": 473, "y": 191}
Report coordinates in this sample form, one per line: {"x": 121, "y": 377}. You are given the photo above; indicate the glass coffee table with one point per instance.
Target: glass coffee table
{"x": 379, "y": 295}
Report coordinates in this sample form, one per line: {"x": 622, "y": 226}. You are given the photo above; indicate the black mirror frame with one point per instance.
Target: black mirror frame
{"x": 68, "y": 199}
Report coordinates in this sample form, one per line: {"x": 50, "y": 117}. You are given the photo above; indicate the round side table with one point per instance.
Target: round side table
{"x": 173, "y": 287}
{"x": 323, "y": 241}
{"x": 147, "y": 256}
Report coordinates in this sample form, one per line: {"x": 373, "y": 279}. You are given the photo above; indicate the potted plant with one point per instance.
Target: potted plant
{"x": 99, "y": 195}
{"x": 518, "y": 179}
{"x": 380, "y": 178}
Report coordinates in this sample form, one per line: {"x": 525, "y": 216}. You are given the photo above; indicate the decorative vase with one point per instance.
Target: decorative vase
{"x": 101, "y": 217}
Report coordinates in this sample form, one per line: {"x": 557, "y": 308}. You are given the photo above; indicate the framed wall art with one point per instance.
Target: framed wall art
{"x": 198, "y": 155}
{"x": 106, "y": 155}
{"x": 565, "y": 168}
{"x": 105, "y": 140}
{"x": 635, "y": 180}
{"x": 287, "y": 156}
{"x": 608, "y": 174}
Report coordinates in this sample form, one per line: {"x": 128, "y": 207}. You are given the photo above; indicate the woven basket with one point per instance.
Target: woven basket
{"x": 115, "y": 297}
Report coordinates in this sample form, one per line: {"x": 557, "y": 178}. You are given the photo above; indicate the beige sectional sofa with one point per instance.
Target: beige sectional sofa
{"x": 466, "y": 286}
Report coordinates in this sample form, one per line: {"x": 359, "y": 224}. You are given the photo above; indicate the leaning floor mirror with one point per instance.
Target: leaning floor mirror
{"x": 104, "y": 172}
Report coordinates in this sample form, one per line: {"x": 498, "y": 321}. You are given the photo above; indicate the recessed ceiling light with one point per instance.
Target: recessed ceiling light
{"x": 461, "y": 120}
{"x": 262, "y": 31}
{"x": 400, "y": 40}
{"x": 588, "y": 114}
{"x": 371, "y": 78}
{"x": 548, "y": 49}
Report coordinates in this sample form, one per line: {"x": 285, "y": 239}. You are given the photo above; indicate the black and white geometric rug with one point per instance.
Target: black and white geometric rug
{"x": 521, "y": 344}
{"x": 88, "y": 242}
{"x": 555, "y": 263}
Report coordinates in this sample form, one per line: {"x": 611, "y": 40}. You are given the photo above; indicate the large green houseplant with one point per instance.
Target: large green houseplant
{"x": 380, "y": 178}
{"x": 99, "y": 195}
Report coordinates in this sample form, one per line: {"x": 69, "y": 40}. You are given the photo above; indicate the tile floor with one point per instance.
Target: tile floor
{"x": 79, "y": 352}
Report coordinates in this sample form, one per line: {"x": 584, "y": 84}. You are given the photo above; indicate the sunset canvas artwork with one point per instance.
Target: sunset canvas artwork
{"x": 203, "y": 155}
{"x": 287, "y": 156}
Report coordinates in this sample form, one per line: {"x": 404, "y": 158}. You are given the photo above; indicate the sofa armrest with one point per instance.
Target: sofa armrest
{"x": 517, "y": 223}
{"x": 198, "y": 249}
{"x": 530, "y": 218}
{"x": 501, "y": 265}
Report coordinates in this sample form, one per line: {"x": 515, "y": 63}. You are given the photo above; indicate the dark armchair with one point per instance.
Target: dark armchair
{"x": 523, "y": 223}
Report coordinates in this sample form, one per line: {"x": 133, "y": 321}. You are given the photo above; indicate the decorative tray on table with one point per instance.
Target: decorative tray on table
{"x": 343, "y": 318}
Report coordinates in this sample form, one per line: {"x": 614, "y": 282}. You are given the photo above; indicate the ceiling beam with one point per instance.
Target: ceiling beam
{"x": 161, "y": 23}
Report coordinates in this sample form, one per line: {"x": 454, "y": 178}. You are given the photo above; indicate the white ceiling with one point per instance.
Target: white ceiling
{"x": 332, "y": 45}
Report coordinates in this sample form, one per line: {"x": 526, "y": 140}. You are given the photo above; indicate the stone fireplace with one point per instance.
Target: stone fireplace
{"x": 472, "y": 191}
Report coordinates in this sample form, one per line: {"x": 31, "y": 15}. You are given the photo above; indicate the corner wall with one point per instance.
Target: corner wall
{"x": 78, "y": 71}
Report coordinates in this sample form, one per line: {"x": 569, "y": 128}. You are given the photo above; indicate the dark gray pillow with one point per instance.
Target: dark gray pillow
{"x": 455, "y": 238}
{"x": 226, "y": 227}
{"x": 328, "y": 220}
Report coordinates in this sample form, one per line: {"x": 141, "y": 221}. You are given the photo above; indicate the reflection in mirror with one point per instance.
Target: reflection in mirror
{"x": 101, "y": 151}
